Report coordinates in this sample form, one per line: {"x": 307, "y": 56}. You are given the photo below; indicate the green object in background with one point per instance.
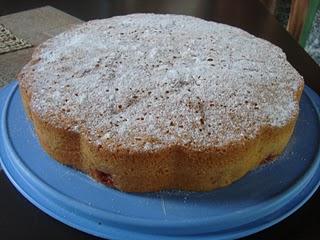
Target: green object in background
{"x": 312, "y": 10}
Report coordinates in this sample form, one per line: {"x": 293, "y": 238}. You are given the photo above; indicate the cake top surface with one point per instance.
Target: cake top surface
{"x": 146, "y": 81}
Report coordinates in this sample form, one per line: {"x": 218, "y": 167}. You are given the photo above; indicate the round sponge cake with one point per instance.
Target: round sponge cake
{"x": 148, "y": 102}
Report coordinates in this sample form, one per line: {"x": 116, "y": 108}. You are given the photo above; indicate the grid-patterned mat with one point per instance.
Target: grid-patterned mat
{"x": 9, "y": 42}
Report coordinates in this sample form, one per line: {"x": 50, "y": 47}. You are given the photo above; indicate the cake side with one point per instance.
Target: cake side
{"x": 173, "y": 168}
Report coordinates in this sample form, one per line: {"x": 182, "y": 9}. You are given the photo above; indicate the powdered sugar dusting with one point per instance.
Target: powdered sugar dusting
{"x": 145, "y": 81}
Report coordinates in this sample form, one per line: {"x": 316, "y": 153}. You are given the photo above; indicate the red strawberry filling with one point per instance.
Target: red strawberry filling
{"x": 103, "y": 177}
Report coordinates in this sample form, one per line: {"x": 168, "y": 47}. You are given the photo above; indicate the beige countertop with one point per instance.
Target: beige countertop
{"x": 35, "y": 26}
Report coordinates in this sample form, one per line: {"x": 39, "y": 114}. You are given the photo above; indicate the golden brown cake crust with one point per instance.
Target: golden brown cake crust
{"x": 150, "y": 159}
{"x": 173, "y": 168}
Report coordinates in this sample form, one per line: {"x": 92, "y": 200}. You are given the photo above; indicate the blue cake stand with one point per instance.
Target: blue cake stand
{"x": 262, "y": 198}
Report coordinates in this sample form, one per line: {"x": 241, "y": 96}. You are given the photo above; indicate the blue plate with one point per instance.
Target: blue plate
{"x": 262, "y": 198}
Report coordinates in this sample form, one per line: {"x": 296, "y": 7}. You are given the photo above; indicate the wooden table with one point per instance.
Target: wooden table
{"x": 20, "y": 219}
